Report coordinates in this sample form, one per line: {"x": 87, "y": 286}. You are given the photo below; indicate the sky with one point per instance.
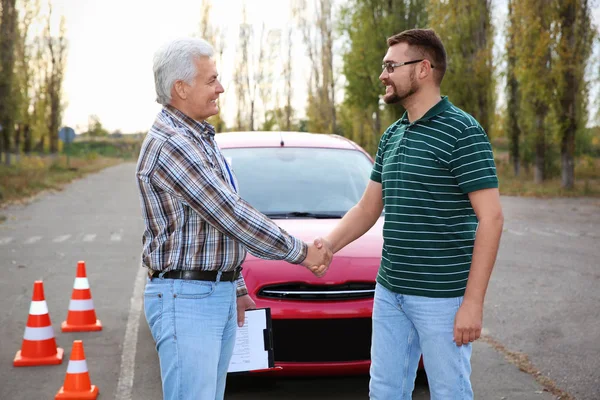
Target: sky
{"x": 112, "y": 42}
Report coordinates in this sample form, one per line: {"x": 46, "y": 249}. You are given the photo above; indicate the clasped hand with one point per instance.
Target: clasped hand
{"x": 318, "y": 258}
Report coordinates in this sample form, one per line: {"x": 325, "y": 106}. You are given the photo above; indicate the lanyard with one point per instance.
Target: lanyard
{"x": 208, "y": 148}
{"x": 230, "y": 175}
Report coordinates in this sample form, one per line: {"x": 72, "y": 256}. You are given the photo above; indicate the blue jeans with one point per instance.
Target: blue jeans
{"x": 194, "y": 324}
{"x": 403, "y": 328}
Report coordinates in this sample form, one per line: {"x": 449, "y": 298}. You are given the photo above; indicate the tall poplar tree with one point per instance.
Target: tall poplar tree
{"x": 465, "y": 27}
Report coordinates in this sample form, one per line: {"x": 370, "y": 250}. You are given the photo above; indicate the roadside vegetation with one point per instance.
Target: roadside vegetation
{"x": 28, "y": 175}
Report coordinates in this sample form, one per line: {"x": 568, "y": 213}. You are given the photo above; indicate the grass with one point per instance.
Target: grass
{"x": 126, "y": 148}
{"x": 32, "y": 175}
{"x": 587, "y": 182}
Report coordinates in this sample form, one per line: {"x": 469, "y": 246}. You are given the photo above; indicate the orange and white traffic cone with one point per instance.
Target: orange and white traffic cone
{"x": 81, "y": 316}
{"x": 39, "y": 344}
{"x": 77, "y": 384}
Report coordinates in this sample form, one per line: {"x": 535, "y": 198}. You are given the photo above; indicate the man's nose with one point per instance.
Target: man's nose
{"x": 383, "y": 76}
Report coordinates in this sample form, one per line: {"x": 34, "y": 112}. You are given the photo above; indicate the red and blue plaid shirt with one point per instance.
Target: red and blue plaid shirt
{"x": 195, "y": 219}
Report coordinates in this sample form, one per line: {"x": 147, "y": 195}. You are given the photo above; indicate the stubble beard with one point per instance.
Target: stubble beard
{"x": 396, "y": 97}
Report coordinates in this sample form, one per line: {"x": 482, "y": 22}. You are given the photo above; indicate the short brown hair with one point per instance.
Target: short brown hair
{"x": 428, "y": 44}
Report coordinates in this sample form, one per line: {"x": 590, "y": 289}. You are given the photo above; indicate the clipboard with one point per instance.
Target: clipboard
{"x": 253, "y": 350}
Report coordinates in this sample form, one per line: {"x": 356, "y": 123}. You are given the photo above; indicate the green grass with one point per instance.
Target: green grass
{"x": 32, "y": 175}
{"x": 587, "y": 180}
{"x": 124, "y": 148}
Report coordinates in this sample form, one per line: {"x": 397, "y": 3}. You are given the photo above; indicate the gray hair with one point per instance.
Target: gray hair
{"x": 175, "y": 61}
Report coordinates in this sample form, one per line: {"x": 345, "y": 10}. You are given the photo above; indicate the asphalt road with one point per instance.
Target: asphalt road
{"x": 542, "y": 301}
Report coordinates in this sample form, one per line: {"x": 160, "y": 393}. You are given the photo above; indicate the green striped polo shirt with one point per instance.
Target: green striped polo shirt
{"x": 427, "y": 168}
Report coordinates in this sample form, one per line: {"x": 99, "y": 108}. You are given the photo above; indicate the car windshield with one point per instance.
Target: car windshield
{"x": 296, "y": 182}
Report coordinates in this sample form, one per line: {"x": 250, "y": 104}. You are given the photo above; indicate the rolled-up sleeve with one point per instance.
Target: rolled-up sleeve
{"x": 240, "y": 288}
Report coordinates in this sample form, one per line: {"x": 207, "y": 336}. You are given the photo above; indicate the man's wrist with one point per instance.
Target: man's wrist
{"x": 298, "y": 253}
{"x": 472, "y": 301}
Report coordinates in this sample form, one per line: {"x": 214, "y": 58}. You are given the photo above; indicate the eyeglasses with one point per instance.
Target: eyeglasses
{"x": 389, "y": 66}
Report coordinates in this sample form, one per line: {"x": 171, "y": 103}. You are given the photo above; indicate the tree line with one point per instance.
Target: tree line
{"x": 32, "y": 67}
{"x": 543, "y": 72}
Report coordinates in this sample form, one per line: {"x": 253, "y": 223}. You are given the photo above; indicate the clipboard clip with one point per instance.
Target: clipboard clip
{"x": 268, "y": 339}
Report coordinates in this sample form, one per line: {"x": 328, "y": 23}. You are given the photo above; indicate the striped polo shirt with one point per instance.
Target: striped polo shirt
{"x": 427, "y": 168}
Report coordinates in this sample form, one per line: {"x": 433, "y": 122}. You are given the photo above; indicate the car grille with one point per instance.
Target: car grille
{"x": 331, "y": 340}
{"x": 300, "y": 291}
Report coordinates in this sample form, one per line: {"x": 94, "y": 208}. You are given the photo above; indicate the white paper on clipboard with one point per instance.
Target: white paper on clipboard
{"x": 254, "y": 345}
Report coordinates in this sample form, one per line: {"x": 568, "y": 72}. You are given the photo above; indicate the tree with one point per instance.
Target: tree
{"x": 513, "y": 131}
{"x": 8, "y": 34}
{"x": 57, "y": 51}
{"x": 287, "y": 76}
{"x": 318, "y": 40}
{"x": 575, "y": 39}
{"x": 533, "y": 22}
{"x": 241, "y": 76}
{"x": 95, "y": 128}
{"x": 365, "y": 26}
{"x": 466, "y": 29}
{"x": 216, "y": 37}
{"x": 23, "y": 87}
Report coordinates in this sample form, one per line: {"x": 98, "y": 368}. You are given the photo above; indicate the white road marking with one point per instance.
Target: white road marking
{"x": 127, "y": 370}
{"x": 61, "y": 239}
{"x": 33, "y": 239}
{"x": 518, "y": 233}
{"x": 6, "y": 240}
{"x": 89, "y": 238}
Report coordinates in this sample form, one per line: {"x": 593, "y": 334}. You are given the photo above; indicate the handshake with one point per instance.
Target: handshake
{"x": 319, "y": 256}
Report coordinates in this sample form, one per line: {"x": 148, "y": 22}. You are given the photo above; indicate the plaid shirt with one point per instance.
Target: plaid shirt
{"x": 195, "y": 219}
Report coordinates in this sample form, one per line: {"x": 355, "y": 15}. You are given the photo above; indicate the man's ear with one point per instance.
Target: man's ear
{"x": 180, "y": 89}
{"x": 425, "y": 69}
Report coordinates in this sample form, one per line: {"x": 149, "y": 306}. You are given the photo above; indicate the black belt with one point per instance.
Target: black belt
{"x": 229, "y": 276}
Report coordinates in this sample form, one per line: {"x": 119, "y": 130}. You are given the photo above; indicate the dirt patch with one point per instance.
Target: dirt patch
{"x": 522, "y": 362}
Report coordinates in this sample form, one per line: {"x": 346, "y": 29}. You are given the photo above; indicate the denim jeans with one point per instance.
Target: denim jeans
{"x": 403, "y": 328}
{"x": 194, "y": 324}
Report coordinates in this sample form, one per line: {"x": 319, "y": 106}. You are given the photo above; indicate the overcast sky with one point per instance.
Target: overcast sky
{"x": 111, "y": 44}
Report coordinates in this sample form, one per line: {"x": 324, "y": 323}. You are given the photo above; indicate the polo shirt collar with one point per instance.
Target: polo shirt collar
{"x": 437, "y": 109}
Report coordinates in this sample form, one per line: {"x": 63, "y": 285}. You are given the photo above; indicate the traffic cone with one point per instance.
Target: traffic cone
{"x": 81, "y": 316}
{"x": 39, "y": 345}
{"x": 77, "y": 384}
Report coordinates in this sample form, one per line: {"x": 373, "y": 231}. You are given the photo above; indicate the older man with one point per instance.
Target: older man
{"x": 198, "y": 229}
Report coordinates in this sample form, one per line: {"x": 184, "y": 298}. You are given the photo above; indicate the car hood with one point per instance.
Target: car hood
{"x": 357, "y": 262}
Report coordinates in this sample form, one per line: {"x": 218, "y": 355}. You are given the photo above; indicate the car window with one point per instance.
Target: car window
{"x": 282, "y": 180}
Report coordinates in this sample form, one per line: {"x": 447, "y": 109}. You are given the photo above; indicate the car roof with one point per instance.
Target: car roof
{"x": 290, "y": 139}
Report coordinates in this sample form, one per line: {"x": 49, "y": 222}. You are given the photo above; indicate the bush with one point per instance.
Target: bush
{"x": 124, "y": 148}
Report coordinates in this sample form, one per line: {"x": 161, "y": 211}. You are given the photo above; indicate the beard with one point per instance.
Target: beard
{"x": 399, "y": 96}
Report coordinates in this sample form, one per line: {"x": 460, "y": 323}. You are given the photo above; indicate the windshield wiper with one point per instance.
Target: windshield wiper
{"x": 301, "y": 214}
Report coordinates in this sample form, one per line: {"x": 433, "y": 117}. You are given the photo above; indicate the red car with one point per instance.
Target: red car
{"x": 306, "y": 183}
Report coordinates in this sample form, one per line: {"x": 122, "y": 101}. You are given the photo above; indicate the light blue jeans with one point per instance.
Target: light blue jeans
{"x": 194, "y": 324}
{"x": 403, "y": 328}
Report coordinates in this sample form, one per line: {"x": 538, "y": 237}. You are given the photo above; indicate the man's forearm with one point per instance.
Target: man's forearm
{"x": 355, "y": 223}
{"x": 487, "y": 241}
